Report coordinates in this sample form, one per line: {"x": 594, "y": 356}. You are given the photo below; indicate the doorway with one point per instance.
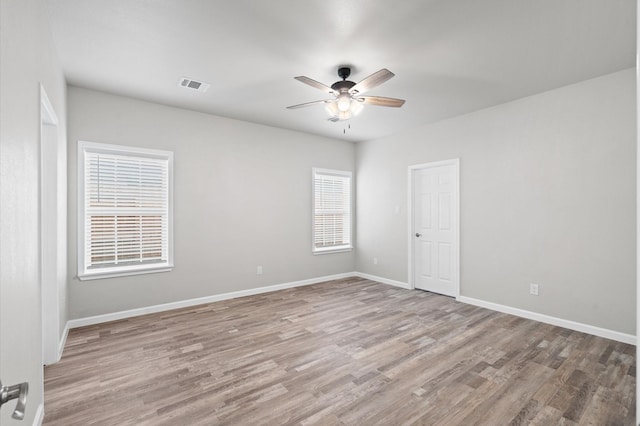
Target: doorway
{"x": 434, "y": 226}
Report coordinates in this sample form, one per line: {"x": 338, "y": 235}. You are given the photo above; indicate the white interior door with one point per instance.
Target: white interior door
{"x": 435, "y": 227}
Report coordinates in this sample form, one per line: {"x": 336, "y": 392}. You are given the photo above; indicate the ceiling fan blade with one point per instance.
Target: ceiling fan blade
{"x": 382, "y": 101}
{"x": 325, "y": 101}
{"x": 311, "y": 82}
{"x": 375, "y": 79}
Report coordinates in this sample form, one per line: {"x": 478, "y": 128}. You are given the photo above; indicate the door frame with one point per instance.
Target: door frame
{"x": 456, "y": 200}
{"x": 49, "y": 286}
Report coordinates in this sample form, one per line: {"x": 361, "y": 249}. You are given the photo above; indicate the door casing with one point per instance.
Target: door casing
{"x": 49, "y": 265}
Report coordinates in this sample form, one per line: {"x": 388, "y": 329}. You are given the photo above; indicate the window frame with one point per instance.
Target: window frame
{"x": 126, "y": 270}
{"x": 331, "y": 172}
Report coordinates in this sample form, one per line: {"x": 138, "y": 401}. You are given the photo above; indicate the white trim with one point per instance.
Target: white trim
{"x": 410, "y": 280}
{"x": 456, "y": 256}
{"x": 61, "y": 343}
{"x": 49, "y": 238}
{"x": 110, "y": 148}
{"x": 637, "y": 202}
{"x": 50, "y": 117}
{"x": 124, "y": 272}
{"x": 39, "y": 417}
{"x": 572, "y": 325}
{"x": 97, "y": 319}
{"x": 63, "y": 340}
{"x": 332, "y": 172}
{"x": 332, "y": 250}
{"x": 382, "y": 280}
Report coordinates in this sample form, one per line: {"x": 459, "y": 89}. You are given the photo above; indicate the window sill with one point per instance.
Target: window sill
{"x": 123, "y": 273}
{"x": 332, "y": 250}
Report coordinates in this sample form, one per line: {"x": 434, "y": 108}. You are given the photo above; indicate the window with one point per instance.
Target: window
{"x": 124, "y": 210}
{"x": 331, "y": 211}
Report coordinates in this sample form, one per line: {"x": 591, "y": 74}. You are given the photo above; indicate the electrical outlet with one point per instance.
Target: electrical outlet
{"x": 534, "y": 289}
{"x": 375, "y": 260}
{"x": 259, "y": 270}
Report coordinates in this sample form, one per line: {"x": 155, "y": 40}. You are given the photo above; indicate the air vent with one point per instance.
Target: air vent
{"x": 190, "y": 84}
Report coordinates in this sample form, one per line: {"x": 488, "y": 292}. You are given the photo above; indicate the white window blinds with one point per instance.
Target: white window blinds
{"x": 126, "y": 210}
{"x": 331, "y": 210}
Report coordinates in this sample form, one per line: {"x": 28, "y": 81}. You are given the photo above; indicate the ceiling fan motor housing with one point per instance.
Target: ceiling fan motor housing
{"x": 344, "y": 85}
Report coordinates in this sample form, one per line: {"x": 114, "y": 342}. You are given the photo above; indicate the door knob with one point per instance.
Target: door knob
{"x": 418, "y": 234}
{"x": 19, "y": 392}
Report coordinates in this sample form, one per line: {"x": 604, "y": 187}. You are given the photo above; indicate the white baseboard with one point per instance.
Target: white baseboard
{"x": 572, "y": 325}
{"x": 39, "y": 418}
{"x": 383, "y": 280}
{"x": 97, "y": 319}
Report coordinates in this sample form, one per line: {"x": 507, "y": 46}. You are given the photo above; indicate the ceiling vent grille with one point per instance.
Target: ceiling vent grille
{"x": 190, "y": 84}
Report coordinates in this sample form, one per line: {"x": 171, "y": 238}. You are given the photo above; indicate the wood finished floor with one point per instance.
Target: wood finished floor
{"x": 345, "y": 352}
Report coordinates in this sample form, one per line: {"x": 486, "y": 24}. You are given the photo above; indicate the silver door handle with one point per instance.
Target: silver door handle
{"x": 418, "y": 235}
{"x": 19, "y": 392}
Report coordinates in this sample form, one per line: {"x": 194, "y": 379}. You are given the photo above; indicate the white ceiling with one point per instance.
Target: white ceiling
{"x": 450, "y": 57}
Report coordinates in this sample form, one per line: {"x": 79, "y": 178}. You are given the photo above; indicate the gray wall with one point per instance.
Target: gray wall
{"x": 547, "y": 196}
{"x": 242, "y": 199}
{"x": 27, "y": 59}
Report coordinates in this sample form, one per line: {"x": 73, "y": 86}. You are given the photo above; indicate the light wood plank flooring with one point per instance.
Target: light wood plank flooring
{"x": 347, "y": 352}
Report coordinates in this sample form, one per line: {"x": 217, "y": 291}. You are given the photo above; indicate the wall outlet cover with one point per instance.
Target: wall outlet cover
{"x": 534, "y": 289}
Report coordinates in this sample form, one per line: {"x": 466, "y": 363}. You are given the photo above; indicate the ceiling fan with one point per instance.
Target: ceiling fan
{"x": 347, "y": 101}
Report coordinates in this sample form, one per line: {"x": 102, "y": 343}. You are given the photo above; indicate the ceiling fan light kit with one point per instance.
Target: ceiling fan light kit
{"x": 347, "y": 101}
{"x": 346, "y": 110}
{"x": 344, "y": 102}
